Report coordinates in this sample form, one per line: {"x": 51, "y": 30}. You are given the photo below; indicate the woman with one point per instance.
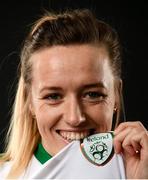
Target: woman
{"x": 69, "y": 88}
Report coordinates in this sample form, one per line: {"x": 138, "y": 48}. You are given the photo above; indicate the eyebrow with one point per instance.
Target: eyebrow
{"x": 54, "y": 88}
{"x": 86, "y": 86}
{"x": 94, "y": 85}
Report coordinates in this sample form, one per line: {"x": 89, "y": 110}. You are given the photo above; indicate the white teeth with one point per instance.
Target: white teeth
{"x": 78, "y": 136}
{"x": 74, "y": 135}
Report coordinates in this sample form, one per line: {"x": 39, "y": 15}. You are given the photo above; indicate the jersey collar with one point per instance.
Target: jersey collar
{"x": 41, "y": 154}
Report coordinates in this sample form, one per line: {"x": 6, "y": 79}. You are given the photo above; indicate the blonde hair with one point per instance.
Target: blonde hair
{"x": 74, "y": 27}
{"x": 23, "y": 134}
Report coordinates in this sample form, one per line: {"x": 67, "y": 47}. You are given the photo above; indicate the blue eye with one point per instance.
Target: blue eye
{"x": 53, "y": 97}
{"x": 94, "y": 96}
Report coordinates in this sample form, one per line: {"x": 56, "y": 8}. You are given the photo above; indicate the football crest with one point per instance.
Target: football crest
{"x": 98, "y": 148}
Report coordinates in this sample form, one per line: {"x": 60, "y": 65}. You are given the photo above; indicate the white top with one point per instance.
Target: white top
{"x": 70, "y": 163}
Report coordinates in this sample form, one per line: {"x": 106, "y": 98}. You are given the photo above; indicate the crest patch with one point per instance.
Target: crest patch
{"x": 98, "y": 148}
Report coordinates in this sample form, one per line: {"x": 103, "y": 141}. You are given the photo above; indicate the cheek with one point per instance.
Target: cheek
{"x": 102, "y": 117}
{"x": 46, "y": 117}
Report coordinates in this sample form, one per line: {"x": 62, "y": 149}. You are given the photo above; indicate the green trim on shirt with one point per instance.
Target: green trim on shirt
{"x": 41, "y": 154}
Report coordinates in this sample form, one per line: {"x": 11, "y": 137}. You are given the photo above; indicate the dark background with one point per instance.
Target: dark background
{"x": 130, "y": 21}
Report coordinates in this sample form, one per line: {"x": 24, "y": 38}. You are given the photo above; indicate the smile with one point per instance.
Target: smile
{"x": 71, "y": 135}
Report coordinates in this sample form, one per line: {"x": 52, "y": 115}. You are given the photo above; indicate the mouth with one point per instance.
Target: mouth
{"x": 75, "y": 135}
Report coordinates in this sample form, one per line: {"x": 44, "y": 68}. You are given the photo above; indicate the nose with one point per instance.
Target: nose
{"x": 74, "y": 113}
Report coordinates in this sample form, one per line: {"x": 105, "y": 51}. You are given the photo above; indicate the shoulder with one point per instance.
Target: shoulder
{"x": 4, "y": 169}
{"x": 33, "y": 166}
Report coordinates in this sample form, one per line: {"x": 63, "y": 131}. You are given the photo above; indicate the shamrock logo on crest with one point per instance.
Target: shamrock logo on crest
{"x": 98, "y": 150}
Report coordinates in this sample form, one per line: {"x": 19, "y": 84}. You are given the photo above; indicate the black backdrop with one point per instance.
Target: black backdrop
{"x": 129, "y": 19}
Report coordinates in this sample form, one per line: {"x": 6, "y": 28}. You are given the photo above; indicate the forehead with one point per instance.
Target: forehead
{"x": 71, "y": 63}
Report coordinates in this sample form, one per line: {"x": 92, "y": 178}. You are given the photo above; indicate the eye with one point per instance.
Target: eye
{"x": 94, "y": 96}
{"x": 53, "y": 97}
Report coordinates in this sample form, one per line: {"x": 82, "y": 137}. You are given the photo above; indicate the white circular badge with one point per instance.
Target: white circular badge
{"x": 98, "y": 148}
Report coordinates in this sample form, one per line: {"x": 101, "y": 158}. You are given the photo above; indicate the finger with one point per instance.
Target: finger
{"x": 136, "y": 145}
{"x": 119, "y": 138}
{"x": 124, "y": 125}
{"x": 130, "y": 144}
{"x": 140, "y": 143}
{"x": 132, "y": 136}
{"x": 132, "y": 141}
{"x": 126, "y": 140}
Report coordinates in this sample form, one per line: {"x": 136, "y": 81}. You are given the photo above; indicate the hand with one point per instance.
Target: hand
{"x": 131, "y": 139}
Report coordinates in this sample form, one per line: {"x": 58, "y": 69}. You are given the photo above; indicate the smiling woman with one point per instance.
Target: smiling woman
{"x": 69, "y": 88}
{"x": 85, "y": 93}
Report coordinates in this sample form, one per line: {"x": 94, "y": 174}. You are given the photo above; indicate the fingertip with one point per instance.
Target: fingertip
{"x": 116, "y": 151}
{"x": 117, "y": 147}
